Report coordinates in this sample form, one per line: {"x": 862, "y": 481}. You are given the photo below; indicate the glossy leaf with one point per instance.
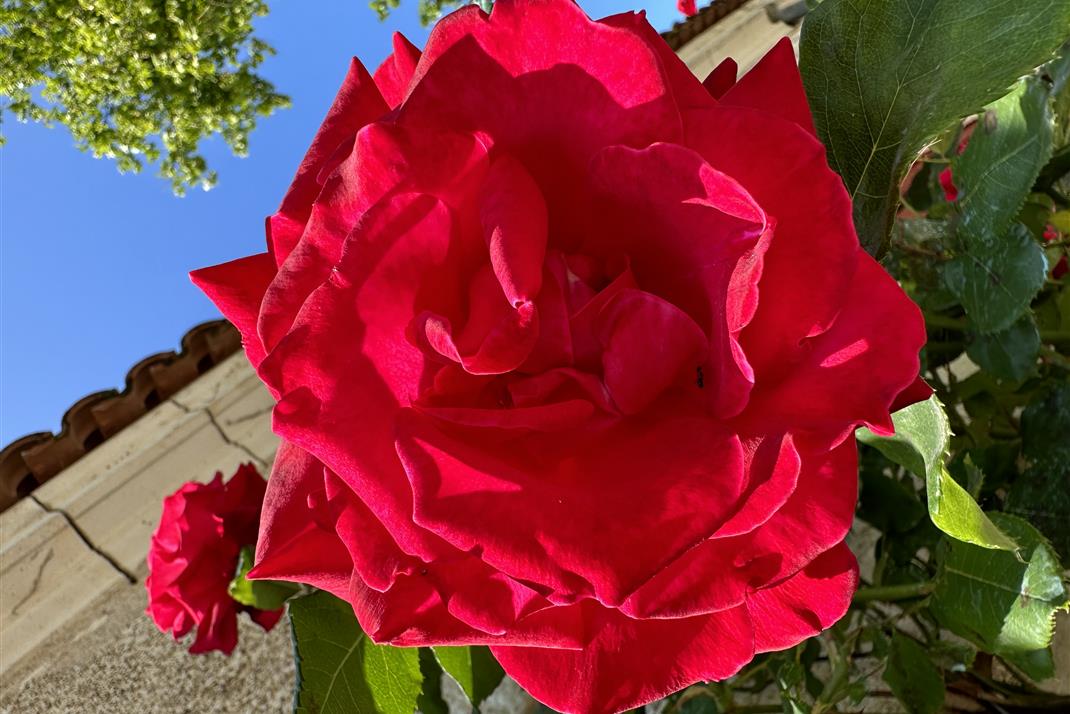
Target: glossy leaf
{"x": 339, "y": 669}
{"x": 1009, "y": 147}
{"x": 1009, "y": 353}
{"x": 996, "y": 281}
{"x": 474, "y": 668}
{"x": 913, "y": 677}
{"x": 920, "y": 444}
{"x": 883, "y": 78}
{"x": 1001, "y": 602}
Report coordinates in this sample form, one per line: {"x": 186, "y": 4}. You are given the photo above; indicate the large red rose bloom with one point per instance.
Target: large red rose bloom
{"x": 193, "y": 557}
{"x": 569, "y": 349}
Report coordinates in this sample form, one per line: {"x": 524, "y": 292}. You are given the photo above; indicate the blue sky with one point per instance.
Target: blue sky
{"x": 93, "y": 264}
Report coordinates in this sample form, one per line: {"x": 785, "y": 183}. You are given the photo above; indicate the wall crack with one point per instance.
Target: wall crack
{"x": 130, "y": 578}
{"x": 222, "y": 432}
{"x": 35, "y": 584}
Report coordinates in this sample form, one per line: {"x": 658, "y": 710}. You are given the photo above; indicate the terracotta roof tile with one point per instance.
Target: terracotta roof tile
{"x": 691, "y": 27}
{"x": 31, "y": 460}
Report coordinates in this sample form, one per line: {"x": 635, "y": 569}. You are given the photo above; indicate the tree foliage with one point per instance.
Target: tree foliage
{"x": 138, "y": 80}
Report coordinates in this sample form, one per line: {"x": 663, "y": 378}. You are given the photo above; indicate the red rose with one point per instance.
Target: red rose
{"x": 947, "y": 183}
{"x": 687, "y": 7}
{"x": 569, "y": 354}
{"x": 194, "y": 555}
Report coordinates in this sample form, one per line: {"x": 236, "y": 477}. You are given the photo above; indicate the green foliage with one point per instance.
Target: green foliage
{"x": 913, "y": 677}
{"x": 884, "y": 78}
{"x": 996, "y": 281}
{"x": 261, "y": 594}
{"x": 339, "y": 669}
{"x": 430, "y": 700}
{"x": 1010, "y": 353}
{"x": 429, "y": 10}
{"x": 139, "y": 80}
{"x": 1011, "y": 144}
{"x": 474, "y": 668}
{"x": 920, "y": 444}
{"x": 1001, "y": 602}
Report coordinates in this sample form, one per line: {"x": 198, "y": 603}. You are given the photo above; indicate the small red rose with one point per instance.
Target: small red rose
{"x": 687, "y": 7}
{"x": 569, "y": 350}
{"x": 947, "y": 183}
{"x": 194, "y": 556}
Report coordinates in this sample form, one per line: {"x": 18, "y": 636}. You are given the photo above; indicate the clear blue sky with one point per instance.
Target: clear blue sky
{"x": 93, "y": 264}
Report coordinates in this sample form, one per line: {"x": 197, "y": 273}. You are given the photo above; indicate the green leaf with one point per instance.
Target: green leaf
{"x": 920, "y": 444}
{"x": 1003, "y": 603}
{"x": 1038, "y": 665}
{"x": 883, "y": 78}
{"x": 474, "y": 668}
{"x": 1008, "y": 149}
{"x": 261, "y": 594}
{"x": 1045, "y": 425}
{"x": 913, "y": 677}
{"x": 996, "y": 281}
{"x": 430, "y": 700}
{"x": 1042, "y": 493}
{"x": 339, "y": 669}
{"x": 1008, "y": 354}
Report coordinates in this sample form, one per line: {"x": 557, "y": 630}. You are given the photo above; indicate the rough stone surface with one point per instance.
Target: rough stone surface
{"x": 119, "y": 662}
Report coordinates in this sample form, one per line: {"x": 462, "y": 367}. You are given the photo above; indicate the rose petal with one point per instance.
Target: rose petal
{"x": 497, "y": 337}
{"x": 648, "y": 345}
{"x": 674, "y": 473}
{"x": 686, "y": 228}
{"x": 812, "y": 600}
{"x": 629, "y": 663}
{"x": 866, "y": 358}
{"x": 291, "y": 545}
{"x": 341, "y": 387}
{"x": 816, "y": 517}
{"x": 774, "y": 85}
{"x": 513, "y": 215}
{"x": 395, "y": 73}
{"x": 385, "y": 158}
{"x": 918, "y": 391}
{"x": 722, "y": 78}
{"x": 532, "y": 58}
{"x": 237, "y": 289}
{"x": 812, "y": 251}
{"x": 412, "y": 614}
{"x": 705, "y": 579}
{"x": 358, "y": 103}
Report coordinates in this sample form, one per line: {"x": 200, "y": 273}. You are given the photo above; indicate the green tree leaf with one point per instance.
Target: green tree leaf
{"x": 339, "y": 669}
{"x": 1008, "y": 354}
{"x": 1004, "y": 157}
{"x": 261, "y": 594}
{"x": 883, "y": 78}
{"x": 137, "y": 80}
{"x": 913, "y": 677}
{"x": 920, "y": 444}
{"x": 996, "y": 281}
{"x": 1001, "y": 602}
{"x": 474, "y": 668}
